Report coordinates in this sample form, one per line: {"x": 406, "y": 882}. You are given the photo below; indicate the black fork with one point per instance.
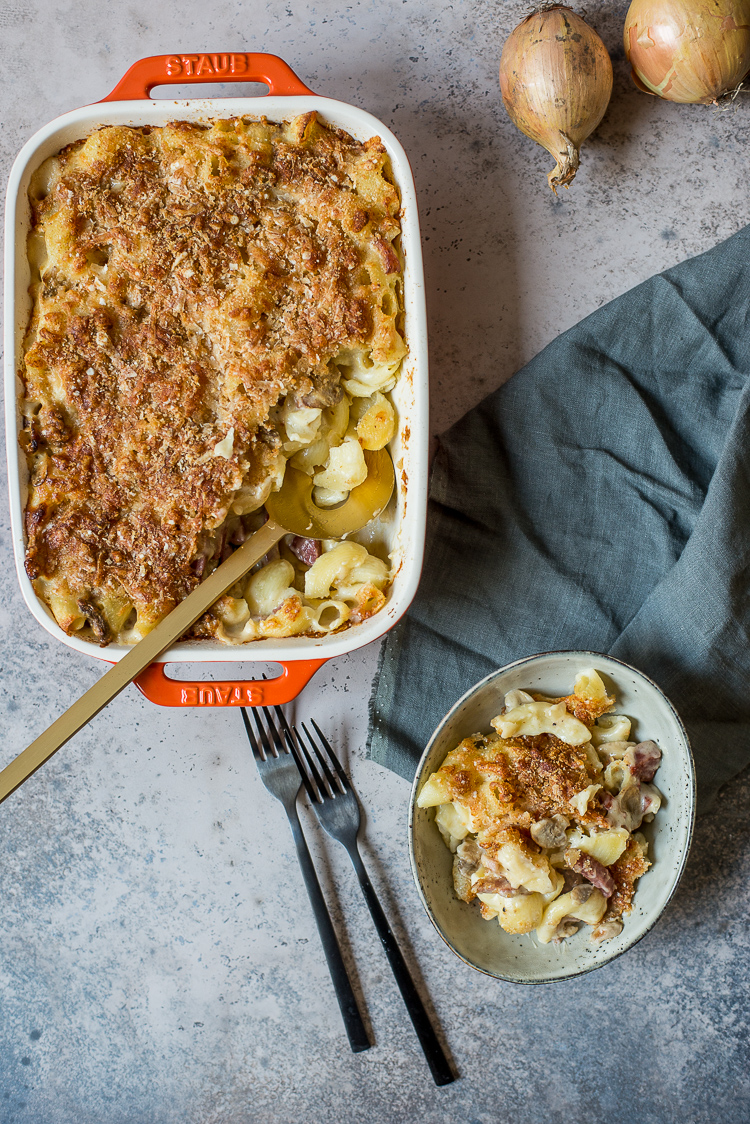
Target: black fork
{"x": 335, "y": 804}
{"x": 280, "y": 775}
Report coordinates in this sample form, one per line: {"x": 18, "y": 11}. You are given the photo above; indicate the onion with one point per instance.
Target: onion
{"x": 556, "y": 82}
{"x": 688, "y": 50}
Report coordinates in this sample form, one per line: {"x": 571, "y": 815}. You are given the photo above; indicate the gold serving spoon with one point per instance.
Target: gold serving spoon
{"x": 291, "y": 510}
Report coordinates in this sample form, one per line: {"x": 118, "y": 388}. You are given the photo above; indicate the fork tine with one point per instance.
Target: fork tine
{"x": 273, "y": 729}
{"x": 251, "y": 736}
{"x": 333, "y": 758}
{"x": 312, "y": 769}
{"x": 262, "y": 734}
{"x": 332, "y": 785}
{"x": 292, "y": 744}
{"x": 297, "y": 750}
{"x": 266, "y": 711}
{"x": 282, "y": 719}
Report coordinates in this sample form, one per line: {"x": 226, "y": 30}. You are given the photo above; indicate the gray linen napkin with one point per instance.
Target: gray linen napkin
{"x": 599, "y": 500}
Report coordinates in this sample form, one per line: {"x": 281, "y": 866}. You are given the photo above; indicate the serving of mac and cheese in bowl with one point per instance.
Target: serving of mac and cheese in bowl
{"x": 551, "y": 816}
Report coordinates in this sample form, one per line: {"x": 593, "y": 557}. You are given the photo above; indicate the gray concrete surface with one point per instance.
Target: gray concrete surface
{"x": 158, "y": 961}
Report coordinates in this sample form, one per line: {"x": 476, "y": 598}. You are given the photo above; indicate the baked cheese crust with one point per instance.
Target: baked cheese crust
{"x": 187, "y": 281}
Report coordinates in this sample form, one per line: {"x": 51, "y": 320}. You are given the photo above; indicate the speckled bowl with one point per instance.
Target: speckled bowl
{"x": 483, "y": 944}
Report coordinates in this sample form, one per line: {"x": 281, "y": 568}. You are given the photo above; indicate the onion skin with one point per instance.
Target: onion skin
{"x": 556, "y": 82}
{"x": 689, "y": 51}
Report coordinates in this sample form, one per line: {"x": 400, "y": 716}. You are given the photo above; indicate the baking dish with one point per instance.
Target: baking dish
{"x": 130, "y": 104}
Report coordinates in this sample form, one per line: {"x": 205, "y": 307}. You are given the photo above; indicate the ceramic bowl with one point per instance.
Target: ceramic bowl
{"x": 483, "y": 944}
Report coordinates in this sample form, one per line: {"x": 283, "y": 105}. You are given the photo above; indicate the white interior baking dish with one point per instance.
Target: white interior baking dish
{"x": 130, "y": 104}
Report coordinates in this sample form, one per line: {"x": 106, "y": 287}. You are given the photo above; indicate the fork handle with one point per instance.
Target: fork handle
{"x": 355, "y": 1028}
{"x": 433, "y": 1051}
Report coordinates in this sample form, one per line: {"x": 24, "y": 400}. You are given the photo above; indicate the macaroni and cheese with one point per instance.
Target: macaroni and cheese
{"x": 543, "y": 814}
{"x": 210, "y": 303}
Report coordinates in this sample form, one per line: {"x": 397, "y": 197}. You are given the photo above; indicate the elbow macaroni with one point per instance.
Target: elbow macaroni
{"x": 343, "y": 585}
{"x": 346, "y": 584}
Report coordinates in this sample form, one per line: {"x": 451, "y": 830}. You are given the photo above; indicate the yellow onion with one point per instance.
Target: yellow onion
{"x": 556, "y": 82}
{"x": 688, "y": 50}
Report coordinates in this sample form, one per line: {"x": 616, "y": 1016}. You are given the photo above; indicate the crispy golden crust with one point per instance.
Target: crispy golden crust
{"x": 190, "y": 278}
{"x": 510, "y": 784}
{"x": 587, "y": 709}
{"x": 626, "y": 871}
{"x": 584, "y": 707}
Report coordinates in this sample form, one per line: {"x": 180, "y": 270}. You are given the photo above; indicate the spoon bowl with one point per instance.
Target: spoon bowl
{"x": 294, "y": 507}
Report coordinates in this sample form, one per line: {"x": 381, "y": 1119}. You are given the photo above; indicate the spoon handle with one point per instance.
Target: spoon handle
{"x": 139, "y": 657}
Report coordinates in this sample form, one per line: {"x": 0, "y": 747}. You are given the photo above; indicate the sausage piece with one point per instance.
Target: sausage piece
{"x": 643, "y": 760}
{"x": 307, "y": 550}
{"x": 591, "y": 869}
{"x": 497, "y": 884}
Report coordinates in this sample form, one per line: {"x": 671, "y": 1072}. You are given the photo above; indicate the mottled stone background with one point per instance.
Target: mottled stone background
{"x": 158, "y": 960}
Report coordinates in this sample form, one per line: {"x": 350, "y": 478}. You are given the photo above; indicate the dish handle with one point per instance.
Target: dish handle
{"x": 159, "y": 688}
{"x": 170, "y": 70}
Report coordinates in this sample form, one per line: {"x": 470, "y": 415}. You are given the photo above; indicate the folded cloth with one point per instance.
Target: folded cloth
{"x": 599, "y": 500}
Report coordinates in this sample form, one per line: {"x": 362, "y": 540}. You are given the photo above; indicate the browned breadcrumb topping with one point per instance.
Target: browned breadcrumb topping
{"x": 191, "y": 277}
{"x": 626, "y": 871}
{"x": 520, "y": 780}
{"x": 491, "y": 840}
